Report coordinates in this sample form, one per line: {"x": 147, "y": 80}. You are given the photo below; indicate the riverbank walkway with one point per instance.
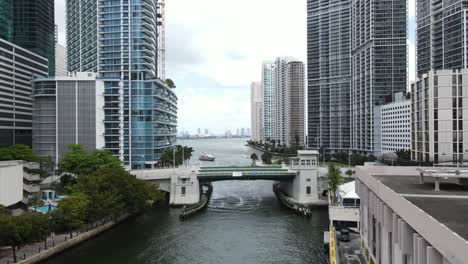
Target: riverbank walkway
{"x": 31, "y": 250}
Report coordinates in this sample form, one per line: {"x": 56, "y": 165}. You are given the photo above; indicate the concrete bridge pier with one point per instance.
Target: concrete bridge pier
{"x": 185, "y": 188}
{"x": 306, "y": 187}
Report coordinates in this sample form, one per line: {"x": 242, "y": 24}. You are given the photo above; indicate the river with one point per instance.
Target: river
{"x": 243, "y": 224}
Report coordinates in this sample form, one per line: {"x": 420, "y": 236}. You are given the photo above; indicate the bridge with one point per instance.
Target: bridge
{"x": 273, "y": 173}
{"x": 300, "y": 180}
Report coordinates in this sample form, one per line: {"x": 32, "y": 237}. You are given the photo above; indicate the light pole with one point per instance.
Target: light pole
{"x": 349, "y": 158}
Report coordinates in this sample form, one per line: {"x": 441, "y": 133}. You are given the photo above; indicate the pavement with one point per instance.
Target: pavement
{"x": 350, "y": 252}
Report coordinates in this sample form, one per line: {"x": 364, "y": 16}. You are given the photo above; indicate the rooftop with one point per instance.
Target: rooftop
{"x": 433, "y": 202}
{"x": 449, "y": 206}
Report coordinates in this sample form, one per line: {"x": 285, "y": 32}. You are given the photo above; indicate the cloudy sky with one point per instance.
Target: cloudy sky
{"x": 215, "y": 49}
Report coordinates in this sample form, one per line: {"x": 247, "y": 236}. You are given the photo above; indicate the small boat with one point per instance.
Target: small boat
{"x": 206, "y": 157}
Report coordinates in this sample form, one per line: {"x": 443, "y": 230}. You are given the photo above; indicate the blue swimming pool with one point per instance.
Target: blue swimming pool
{"x": 45, "y": 209}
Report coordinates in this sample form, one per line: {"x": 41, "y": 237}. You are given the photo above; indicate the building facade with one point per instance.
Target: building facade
{"x": 267, "y": 99}
{"x": 68, "y": 110}
{"x": 256, "y": 110}
{"x": 379, "y": 63}
{"x": 118, "y": 40}
{"x": 18, "y": 66}
{"x": 329, "y": 74}
{"x": 403, "y": 221}
{"x": 441, "y": 36}
{"x": 439, "y": 121}
{"x": 60, "y": 60}
{"x": 30, "y": 25}
{"x": 395, "y": 122}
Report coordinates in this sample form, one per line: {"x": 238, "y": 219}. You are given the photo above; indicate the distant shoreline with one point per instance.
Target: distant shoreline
{"x": 191, "y": 138}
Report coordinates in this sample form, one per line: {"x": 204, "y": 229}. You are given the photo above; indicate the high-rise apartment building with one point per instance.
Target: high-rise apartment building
{"x": 441, "y": 35}
{"x": 118, "y": 40}
{"x": 439, "y": 131}
{"x": 379, "y": 63}
{"x": 256, "y": 113}
{"x": 284, "y": 98}
{"x": 18, "y": 66}
{"x": 329, "y": 74}
{"x": 267, "y": 99}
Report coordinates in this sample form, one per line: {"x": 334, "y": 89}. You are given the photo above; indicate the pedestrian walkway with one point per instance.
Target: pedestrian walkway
{"x": 28, "y": 251}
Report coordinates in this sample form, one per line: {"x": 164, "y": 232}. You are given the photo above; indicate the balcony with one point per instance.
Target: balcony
{"x": 31, "y": 188}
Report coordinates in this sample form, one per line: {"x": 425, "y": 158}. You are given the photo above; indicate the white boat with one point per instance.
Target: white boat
{"x": 206, "y": 157}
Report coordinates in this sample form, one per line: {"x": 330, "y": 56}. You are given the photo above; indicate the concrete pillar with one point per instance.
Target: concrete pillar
{"x": 433, "y": 256}
{"x": 422, "y": 251}
{"x": 406, "y": 235}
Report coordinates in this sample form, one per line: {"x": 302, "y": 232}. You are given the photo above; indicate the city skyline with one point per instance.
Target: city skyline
{"x": 201, "y": 83}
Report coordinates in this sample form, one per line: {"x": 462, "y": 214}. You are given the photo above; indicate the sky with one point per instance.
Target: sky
{"x": 215, "y": 49}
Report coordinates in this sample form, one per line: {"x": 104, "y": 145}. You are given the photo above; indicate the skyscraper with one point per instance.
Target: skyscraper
{"x": 6, "y": 20}
{"x": 118, "y": 40}
{"x": 268, "y": 107}
{"x": 26, "y": 35}
{"x": 379, "y": 63}
{"x": 17, "y": 68}
{"x": 285, "y": 96}
{"x": 329, "y": 74}
{"x": 256, "y": 110}
{"x": 441, "y": 36}
{"x": 34, "y": 28}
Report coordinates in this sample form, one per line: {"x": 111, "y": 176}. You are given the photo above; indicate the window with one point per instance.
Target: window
{"x": 308, "y": 180}
{"x": 183, "y": 191}
{"x": 308, "y": 162}
{"x": 303, "y": 162}
{"x": 308, "y": 190}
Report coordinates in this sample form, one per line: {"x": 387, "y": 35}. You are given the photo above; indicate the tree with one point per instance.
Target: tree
{"x": 334, "y": 180}
{"x": 79, "y": 162}
{"x": 18, "y": 152}
{"x": 8, "y": 234}
{"x": 273, "y": 142}
{"x": 254, "y": 158}
{"x": 266, "y": 157}
{"x": 349, "y": 172}
{"x": 71, "y": 212}
{"x": 47, "y": 167}
{"x": 188, "y": 151}
{"x": 41, "y": 227}
{"x": 36, "y": 201}
{"x": 403, "y": 155}
{"x": 170, "y": 83}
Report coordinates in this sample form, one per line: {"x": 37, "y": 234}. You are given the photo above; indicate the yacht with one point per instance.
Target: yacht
{"x": 206, "y": 157}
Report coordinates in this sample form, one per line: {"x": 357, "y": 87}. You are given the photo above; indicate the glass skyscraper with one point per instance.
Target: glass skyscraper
{"x": 6, "y": 20}
{"x": 118, "y": 40}
{"x": 329, "y": 74}
{"x": 379, "y": 63}
{"x": 441, "y": 35}
{"x": 34, "y": 28}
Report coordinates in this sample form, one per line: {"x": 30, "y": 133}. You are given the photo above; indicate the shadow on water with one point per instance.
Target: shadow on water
{"x": 244, "y": 223}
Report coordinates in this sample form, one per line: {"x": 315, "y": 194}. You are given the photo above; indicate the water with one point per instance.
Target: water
{"x": 243, "y": 224}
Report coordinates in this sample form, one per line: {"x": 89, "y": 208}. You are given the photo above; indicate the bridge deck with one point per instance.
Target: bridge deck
{"x": 275, "y": 173}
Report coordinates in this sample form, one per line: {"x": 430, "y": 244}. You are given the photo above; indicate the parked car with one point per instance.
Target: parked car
{"x": 344, "y": 235}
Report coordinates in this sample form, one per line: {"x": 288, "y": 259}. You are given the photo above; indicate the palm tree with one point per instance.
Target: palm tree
{"x": 254, "y": 158}
{"x": 188, "y": 151}
{"x": 334, "y": 180}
